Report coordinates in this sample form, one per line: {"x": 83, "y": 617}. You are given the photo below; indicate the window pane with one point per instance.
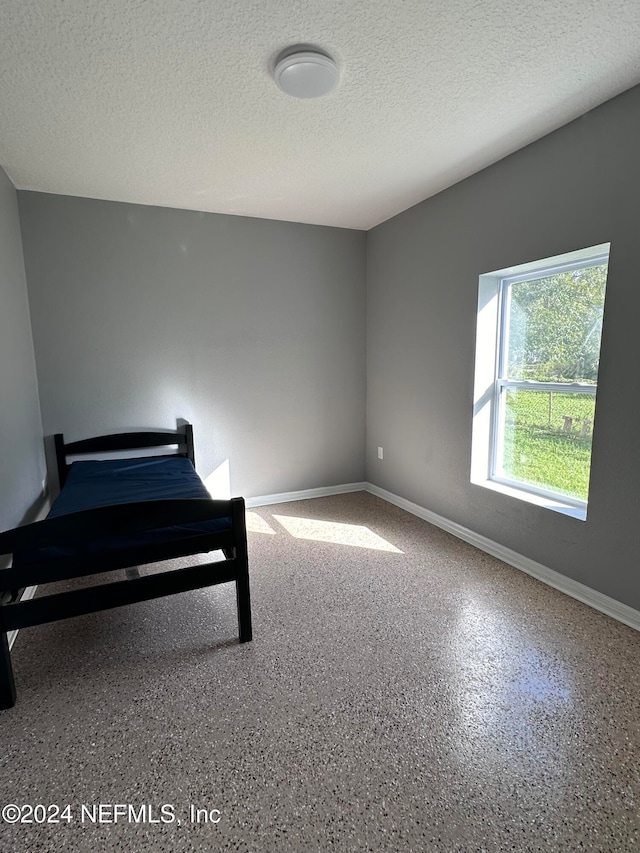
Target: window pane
{"x": 546, "y": 440}
{"x": 554, "y": 326}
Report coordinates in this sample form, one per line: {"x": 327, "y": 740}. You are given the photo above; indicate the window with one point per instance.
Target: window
{"x": 537, "y": 356}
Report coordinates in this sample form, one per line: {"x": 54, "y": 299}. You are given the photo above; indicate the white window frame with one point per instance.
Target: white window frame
{"x": 491, "y": 383}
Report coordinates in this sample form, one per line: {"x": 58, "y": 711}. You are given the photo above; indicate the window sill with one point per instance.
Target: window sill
{"x": 538, "y": 500}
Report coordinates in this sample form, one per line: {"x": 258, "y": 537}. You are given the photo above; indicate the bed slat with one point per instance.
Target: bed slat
{"x": 66, "y": 568}
{"x": 64, "y": 605}
{"x": 124, "y": 441}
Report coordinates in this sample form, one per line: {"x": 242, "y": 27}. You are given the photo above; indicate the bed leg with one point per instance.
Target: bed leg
{"x": 242, "y": 569}
{"x": 244, "y": 601}
{"x": 7, "y": 684}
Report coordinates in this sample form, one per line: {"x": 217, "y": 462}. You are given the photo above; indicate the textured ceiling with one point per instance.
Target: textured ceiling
{"x": 171, "y": 102}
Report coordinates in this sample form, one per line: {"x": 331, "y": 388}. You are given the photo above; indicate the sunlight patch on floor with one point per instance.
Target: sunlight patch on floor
{"x": 257, "y": 524}
{"x": 356, "y": 535}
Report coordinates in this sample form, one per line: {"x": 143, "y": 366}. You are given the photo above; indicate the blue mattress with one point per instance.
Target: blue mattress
{"x": 104, "y": 483}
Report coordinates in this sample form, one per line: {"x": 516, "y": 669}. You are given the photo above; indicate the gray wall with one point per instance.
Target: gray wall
{"x": 251, "y": 329}
{"x": 254, "y": 330}
{"x": 574, "y": 188}
{"x": 21, "y": 459}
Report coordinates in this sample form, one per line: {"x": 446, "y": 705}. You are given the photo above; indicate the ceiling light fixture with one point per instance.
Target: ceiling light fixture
{"x": 306, "y": 74}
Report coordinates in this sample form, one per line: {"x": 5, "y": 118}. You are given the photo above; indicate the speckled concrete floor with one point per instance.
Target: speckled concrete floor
{"x": 404, "y": 693}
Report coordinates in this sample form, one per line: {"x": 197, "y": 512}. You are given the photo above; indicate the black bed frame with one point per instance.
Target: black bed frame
{"x": 120, "y": 518}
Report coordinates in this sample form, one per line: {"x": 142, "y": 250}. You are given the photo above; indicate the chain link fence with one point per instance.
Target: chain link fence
{"x": 561, "y": 412}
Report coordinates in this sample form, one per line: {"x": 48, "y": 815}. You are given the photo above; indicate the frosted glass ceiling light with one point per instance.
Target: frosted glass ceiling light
{"x": 306, "y": 74}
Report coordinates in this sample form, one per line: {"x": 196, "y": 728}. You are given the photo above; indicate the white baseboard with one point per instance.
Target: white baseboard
{"x": 598, "y": 600}
{"x": 306, "y": 494}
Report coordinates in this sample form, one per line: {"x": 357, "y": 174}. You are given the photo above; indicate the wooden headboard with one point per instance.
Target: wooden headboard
{"x": 182, "y": 438}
